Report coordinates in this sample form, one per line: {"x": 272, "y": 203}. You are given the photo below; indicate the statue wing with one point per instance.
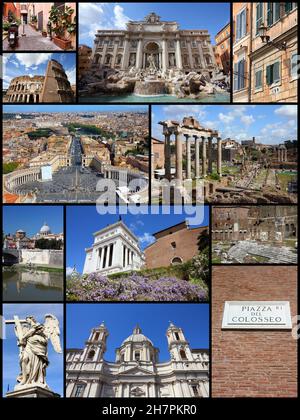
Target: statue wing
{"x": 52, "y": 331}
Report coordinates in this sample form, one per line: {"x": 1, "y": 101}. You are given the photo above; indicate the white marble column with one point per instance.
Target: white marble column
{"x": 167, "y": 157}
{"x": 189, "y": 45}
{"x": 197, "y": 157}
{"x": 164, "y": 55}
{"x": 103, "y": 53}
{"x": 201, "y": 55}
{"x": 188, "y": 158}
{"x": 178, "y": 55}
{"x": 178, "y": 145}
{"x": 139, "y": 55}
{"x": 209, "y": 155}
{"x": 124, "y": 64}
{"x": 219, "y": 156}
{"x": 203, "y": 156}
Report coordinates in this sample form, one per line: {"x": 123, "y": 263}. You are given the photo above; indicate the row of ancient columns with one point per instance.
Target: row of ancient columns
{"x": 127, "y": 256}
{"x": 282, "y": 155}
{"x": 23, "y": 97}
{"x": 206, "y": 155}
{"x": 23, "y": 179}
{"x": 105, "y": 256}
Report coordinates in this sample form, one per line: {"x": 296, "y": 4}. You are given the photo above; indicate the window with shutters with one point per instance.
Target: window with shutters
{"x": 273, "y": 13}
{"x": 241, "y": 25}
{"x": 288, "y": 7}
{"x": 79, "y": 390}
{"x": 258, "y": 79}
{"x": 259, "y": 15}
{"x": 239, "y": 76}
{"x": 294, "y": 66}
{"x": 273, "y": 73}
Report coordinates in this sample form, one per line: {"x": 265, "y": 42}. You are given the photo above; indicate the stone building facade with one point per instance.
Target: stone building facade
{"x": 115, "y": 249}
{"x": 170, "y": 47}
{"x": 263, "y": 223}
{"x": 222, "y": 49}
{"x": 84, "y": 59}
{"x": 265, "y": 69}
{"x": 256, "y": 362}
{"x": 174, "y": 245}
{"x": 137, "y": 371}
{"x": 53, "y": 87}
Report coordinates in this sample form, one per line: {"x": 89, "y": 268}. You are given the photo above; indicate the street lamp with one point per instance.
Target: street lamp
{"x": 265, "y": 39}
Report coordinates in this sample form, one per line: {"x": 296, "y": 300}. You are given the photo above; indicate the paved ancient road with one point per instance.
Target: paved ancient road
{"x": 33, "y": 41}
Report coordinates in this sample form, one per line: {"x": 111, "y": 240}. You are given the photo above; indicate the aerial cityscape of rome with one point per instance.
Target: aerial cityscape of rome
{"x": 242, "y": 154}
{"x": 61, "y": 153}
{"x": 148, "y": 54}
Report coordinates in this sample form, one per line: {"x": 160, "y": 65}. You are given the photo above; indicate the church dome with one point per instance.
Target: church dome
{"x": 45, "y": 229}
{"x": 137, "y": 337}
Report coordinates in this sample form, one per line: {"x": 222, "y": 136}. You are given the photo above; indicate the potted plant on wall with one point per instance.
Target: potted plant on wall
{"x": 33, "y": 22}
{"x": 63, "y": 26}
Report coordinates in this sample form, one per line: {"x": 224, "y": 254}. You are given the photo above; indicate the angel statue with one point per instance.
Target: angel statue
{"x": 32, "y": 339}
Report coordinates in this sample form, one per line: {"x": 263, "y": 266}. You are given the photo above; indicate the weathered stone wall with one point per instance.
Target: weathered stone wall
{"x": 253, "y": 363}
{"x": 51, "y": 257}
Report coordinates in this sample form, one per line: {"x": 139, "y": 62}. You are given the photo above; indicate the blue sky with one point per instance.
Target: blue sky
{"x": 83, "y": 221}
{"x": 31, "y": 218}
{"x": 94, "y": 16}
{"x": 269, "y": 124}
{"x": 11, "y": 352}
{"x": 120, "y": 319}
{"x": 33, "y": 64}
{"x": 75, "y": 108}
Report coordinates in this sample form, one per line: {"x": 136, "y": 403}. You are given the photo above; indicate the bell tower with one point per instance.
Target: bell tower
{"x": 95, "y": 346}
{"x": 179, "y": 347}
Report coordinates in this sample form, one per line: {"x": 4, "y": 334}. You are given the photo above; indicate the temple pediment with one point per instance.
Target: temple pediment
{"x": 137, "y": 371}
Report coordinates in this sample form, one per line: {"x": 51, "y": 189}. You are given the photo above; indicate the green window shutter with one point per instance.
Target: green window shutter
{"x": 258, "y": 81}
{"x": 235, "y": 76}
{"x": 294, "y": 71}
{"x": 288, "y": 7}
{"x": 268, "y": 75}
{"x": 276, "y": 11}
{"x": 242, "y": 74}
{"x": 269, "y": 13}
{"x": 276, "y": 71}
{"x": 258, "y": 16}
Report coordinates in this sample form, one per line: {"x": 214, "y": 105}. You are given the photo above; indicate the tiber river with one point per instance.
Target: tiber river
{"x": 32, "y": 285}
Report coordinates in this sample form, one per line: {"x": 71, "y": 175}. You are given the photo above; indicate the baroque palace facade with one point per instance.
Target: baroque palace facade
{"x": 136, "y": 371}
{"x": 163, "y": 41}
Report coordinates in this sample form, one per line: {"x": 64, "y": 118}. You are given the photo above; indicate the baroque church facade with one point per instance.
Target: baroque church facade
{"x": 163, "y": 42}
{"x": 137, "y": 371}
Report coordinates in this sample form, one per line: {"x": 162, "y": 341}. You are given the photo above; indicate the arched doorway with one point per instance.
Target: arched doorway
{"x": 152, "y": 49}
{"x": 176, "y": 261}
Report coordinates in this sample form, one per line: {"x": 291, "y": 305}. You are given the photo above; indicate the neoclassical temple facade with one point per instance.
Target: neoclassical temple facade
{"x": 53, "y": 87}
{"x": 190, "y": 131}
{"x": 163, "y": 42}
{"x": 137, "y": 371}
{"x": 115, "y": 249}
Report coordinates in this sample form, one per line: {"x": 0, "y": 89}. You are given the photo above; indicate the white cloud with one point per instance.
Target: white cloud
{"x": 120, "y": 19}
{"x": 287, "y": 111}
{"x": 146, "y": 239}
{"x": 71, "y": 75}
{"x": 247, "y": 119}
{"x": 32, "y": 60}
{"x": 69, "y": 271}
{"x": 226, "y": 118}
